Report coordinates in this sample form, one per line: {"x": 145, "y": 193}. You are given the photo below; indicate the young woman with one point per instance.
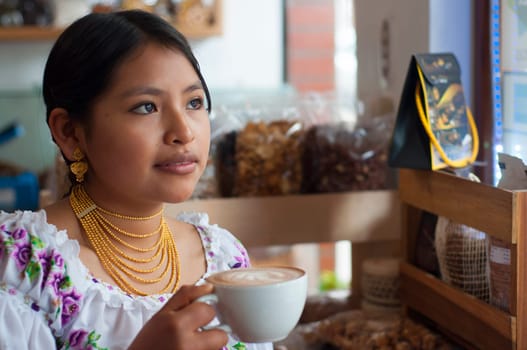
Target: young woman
{"x": 103, "y": 267}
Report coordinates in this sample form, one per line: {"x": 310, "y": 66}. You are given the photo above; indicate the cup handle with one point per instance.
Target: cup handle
{"x": 212, "y": 299}
{"x": 207, "y": 299}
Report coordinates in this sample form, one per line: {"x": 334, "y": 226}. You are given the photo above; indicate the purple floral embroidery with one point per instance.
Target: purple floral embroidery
{"x": 70, "y": 305}
{"x": 2, "y": 247}
{"x": 240, "y": 262}
{"x": 57, "y": 259}
{"x": 22, "y": 254}
{"x": 77, "y": 338}
{"x": 35, "y": 307}
{"x": 236, "y": 265}
{"x": 55, "y": 280}
{"x": 19, "y": 234}
{"x": 42, "y": 264}
{"x": 46, "y": 262}
{"x": 82, "y": 340}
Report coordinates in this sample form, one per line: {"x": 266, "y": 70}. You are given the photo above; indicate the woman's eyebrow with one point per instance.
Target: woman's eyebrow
{"x": 142, "y": 90}
{"x": 149, "y": 90}
{"x": 196, "y": 86}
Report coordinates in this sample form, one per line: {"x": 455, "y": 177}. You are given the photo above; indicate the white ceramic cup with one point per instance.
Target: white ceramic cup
{"x": 259, "y": 304}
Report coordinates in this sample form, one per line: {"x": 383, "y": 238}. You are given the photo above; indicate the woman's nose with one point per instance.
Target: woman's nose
{"x": 178, "y": 129}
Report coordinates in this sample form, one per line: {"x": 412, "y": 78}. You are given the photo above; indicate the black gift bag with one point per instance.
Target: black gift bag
{"x": 434, "y": 128}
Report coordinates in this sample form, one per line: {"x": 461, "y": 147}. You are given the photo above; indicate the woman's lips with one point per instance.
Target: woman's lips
{"x": 180, "y": 168}
{"x": 181, "y": 165}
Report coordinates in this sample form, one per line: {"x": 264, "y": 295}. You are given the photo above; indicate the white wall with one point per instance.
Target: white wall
{"x": 408, "y": 23}
{"x": 250, "y": 52}
{"x": 416, "y": 26}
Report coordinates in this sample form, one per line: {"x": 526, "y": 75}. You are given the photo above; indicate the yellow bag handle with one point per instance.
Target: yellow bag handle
{"x": 475, "y": 145}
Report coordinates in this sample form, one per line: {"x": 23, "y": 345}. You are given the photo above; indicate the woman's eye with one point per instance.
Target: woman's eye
{"x": 195, "y": 103}
{"x": 145, "y": 108}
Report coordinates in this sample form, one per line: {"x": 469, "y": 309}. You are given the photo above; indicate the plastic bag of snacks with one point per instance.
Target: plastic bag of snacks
{"x": 312, "y": 143}
{"x": 346, "y": 156}
{"x": 262, "y": 156}
{"x": 268, "y": 158}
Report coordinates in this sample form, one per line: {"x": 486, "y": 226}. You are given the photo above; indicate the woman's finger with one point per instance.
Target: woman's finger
{"x": 212, "y": 338}
{"x": 186, "y": 295}
{"x": 195, "y": 315}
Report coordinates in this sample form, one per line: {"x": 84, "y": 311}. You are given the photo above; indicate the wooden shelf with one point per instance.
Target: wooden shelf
{"x": 499, "y": 213}
{"x": 190, "y": 30}
{"x": 365, "y": 216}
{"x": 29, "y": 33}
{"x": 370, "y": 220}
{"x": 460, "y": 200}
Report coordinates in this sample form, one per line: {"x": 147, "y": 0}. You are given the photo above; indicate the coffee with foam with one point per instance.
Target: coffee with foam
{"x": 256, "y": 276}
{"x": 260, "y": 304}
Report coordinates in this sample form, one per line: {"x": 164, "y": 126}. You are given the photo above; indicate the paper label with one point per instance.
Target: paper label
{"x": 500, "y": 255}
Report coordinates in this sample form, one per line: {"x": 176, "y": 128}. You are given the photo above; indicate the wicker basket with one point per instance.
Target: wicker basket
{"x": 380, "y": 281}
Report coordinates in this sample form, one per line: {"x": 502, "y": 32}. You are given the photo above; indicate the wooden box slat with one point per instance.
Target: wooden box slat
{"x": 480, "y": 206}
{"x": 477, "y": 322}
{"x": 521, "y": 271}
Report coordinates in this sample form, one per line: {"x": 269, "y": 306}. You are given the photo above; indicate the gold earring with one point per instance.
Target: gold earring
{"x": 79, "y": 167}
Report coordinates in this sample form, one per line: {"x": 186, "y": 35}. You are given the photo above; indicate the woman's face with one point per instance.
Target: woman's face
{"x": 149, "y": 133}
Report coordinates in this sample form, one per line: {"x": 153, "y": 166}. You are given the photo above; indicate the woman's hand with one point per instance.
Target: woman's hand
{"x": 177, "y": 325}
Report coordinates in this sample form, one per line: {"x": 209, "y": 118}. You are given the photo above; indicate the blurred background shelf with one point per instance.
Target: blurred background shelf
{"x": 369, "y": 220}
{"x": 194, "y": 20}
{"x": 32, "y": 33}
{"x": 29, "y": 33}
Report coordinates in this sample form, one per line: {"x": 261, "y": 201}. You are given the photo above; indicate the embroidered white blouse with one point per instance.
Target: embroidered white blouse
{"x": 49, "y": 300}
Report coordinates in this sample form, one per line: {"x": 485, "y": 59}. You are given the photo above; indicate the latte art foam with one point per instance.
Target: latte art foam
{"x": 255, "y": 276}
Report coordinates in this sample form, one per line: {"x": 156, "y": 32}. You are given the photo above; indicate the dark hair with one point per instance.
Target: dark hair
{"x": 82, "y": 61}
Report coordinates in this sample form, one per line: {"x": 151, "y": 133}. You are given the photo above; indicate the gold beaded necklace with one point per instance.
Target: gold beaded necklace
{"x": 103, "y": 235}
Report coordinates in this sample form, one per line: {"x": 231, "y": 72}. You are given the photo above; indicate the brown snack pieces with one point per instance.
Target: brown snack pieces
{"x": 337, "y": 158}
{"x": 268, "y": 158}
{"x": 357, "y": 330}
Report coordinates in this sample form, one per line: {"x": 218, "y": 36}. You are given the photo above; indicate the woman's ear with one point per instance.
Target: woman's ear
{"x": 62, "y": 129}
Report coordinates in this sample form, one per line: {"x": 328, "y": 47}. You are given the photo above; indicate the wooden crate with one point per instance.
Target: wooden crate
{"x": 499, "y": 213}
